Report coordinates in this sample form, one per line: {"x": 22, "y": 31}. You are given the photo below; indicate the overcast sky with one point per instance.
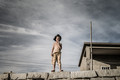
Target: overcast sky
{"x": 27, "y": 28}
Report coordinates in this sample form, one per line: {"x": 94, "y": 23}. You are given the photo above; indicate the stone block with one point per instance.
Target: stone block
{"x": 35, "y": 75}
{"x": 80, "y": 79}
{"x": 83, "y": 74}
{"x": 59, "y": 75}
{"x": 3, "y": 76}
{"x": 60, "y": 79}
{"x": 117, "y": 78}
{"x": 73, "y": 79}
{"x": 102, "y": 79}
{"x": 111, "y": 72}
{"x": 18, "y": 76}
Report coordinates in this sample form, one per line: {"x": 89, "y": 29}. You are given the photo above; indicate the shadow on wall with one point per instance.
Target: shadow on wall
{"x": 112, "y": 60}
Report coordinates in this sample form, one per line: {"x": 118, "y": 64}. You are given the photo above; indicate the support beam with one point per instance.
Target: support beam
{"x": 91, "y": 44}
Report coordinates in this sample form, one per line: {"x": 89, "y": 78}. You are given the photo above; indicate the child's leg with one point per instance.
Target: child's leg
{"x": 54, "y": 61}
{"x": 60, "y": 67}
{"x": 53, "y": 66}
{"x": 59, "y": 60}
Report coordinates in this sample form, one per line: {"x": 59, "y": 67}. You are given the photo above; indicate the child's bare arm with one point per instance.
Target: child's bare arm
{"x": 52, "y": 50}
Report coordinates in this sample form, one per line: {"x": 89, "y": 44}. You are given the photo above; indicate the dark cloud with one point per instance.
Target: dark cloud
{"x": 100, "y": 9}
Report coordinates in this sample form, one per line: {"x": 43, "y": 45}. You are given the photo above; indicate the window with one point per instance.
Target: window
{"x": 105, "y": 67}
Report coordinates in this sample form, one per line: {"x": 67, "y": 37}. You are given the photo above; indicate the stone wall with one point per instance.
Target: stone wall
{"x": 113, "y": 74}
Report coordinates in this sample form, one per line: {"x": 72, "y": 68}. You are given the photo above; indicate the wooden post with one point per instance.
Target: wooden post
{"x": 91, "y": 45}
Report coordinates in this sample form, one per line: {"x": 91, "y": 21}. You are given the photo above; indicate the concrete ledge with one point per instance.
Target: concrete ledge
{"x": 3, "y": 76}
{"x": 18, "y": 76}
{"x": 61, "y": 79}
{"x": 117, "y": 78}
{"x": 102, "y": 79}
{"x": 112, "y": 72}
{"x": 83, "y": 74}
{"x": 79, "y": 79}
{"x": 35, "y": 75}
{"x": 59, "y": 75}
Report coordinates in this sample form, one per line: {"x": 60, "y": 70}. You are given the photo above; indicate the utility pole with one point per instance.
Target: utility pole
{"x": 91, "y": 45}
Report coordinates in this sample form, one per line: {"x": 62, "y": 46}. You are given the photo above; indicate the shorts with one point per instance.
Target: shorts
{"x": 56, "y": 58}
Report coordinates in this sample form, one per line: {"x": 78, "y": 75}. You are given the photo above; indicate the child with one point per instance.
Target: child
{"x": 56, "y": 52}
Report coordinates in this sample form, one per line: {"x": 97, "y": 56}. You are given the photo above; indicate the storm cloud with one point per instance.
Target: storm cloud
{"x": 27, "y": 28}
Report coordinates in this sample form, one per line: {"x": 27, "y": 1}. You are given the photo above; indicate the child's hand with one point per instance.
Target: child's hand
{"x": 51, "y": 54}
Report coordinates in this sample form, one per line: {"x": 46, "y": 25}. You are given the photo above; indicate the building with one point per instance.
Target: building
{"x": 104, "y": 56}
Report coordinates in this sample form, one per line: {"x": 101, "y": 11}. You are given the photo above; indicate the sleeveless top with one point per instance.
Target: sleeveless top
{"x": 57, "y": 47}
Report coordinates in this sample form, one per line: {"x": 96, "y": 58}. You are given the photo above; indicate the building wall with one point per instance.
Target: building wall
{"x": 112, "y": 61}
{"x": 86, "y": 61}
{"x": 97, "y": 65}
{"x": 100, "y": 61}
{"x": 83, "y": 66}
